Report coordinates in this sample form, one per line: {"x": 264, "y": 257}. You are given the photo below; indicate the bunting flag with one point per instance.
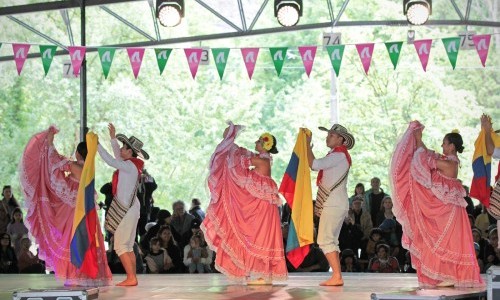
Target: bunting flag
{"x": 296, "y": 188}
{"x": 308, "y": 53}
{"x": 47, "y": 54}
{"x": 365, "y": 52}
{"x": 278, "y": 56}
{"x": 394, "y": 49}
{"x": 335, "y": 53}
{"x": 162, "y": 55}
{"x": 220, "y": 59}
{"x": 452, "y": 45}
{"x": 250, "y": 59}
{"x": 77, "y": 55}
{"x": 482, "y": 43}
{"x": 135, "y": 56}
{"x": 20, "y": 55}
{"x": 83, "y": 247}
{"x": 423, "y": 48}
{"x": 193, "y": 56}
{"x": 106, "y": 55}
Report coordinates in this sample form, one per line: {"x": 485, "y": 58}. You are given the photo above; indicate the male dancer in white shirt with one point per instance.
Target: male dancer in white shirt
{"x": 332, "y": 202}
{"x": 124, "y": 182}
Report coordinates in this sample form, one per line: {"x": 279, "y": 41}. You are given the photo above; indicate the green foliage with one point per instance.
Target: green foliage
{"x": 181, "y": 120}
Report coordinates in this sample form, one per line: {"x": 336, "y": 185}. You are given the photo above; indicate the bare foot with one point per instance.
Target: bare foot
{"x": 128, "y": 282}
{"x": 333, "y": 282}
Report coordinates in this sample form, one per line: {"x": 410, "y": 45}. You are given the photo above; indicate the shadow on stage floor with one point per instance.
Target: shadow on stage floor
{"x": 215, "y": 286}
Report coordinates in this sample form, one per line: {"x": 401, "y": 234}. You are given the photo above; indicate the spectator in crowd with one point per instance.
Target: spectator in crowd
{"x": 359, "y": 191}
{"x": 383, "y": 262}
{"x": 491, "y": 259}
{"x": 370, "y": 248}
{"x": 407, "y": 268}
{"x": 157, "y": 261}
{"x": 164, "y": 217}
{"x": 470, "y": 204}
{"x": 480, "y": 262}
{"x": 195, "y": 256}
{"x": 482, "y": 242}
{"x": 373, "y": 198}
{"x": 350, "y": 234}
{"x": 168, "y": 243}
{"x": 349, "y": 262}
{"x": 147, "y": 185}
{"x": 483, "y": 221}
{"x": 8, "y": 259}
{"x": 196, "y": 210}
{"x": 16, "y": 229}
{"x": 181, "y": 223}
{"x": 7, "y": 206}
{"x": 27, "y": 262}
{"x": 361, "y": 217}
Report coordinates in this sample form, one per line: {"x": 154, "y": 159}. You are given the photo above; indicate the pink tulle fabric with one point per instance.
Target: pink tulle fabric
{"x": 243, "y": 224}
{"x": 50, "y": 198}
{"x": 431, "y": 209}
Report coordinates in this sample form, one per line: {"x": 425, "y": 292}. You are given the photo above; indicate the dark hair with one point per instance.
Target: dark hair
{"x": 455, "y": 139}
{"x": 273, "y": 150}
{"x": 171, "y": 241}
{"x": 16, "y": 210}
{"x": 154, "y": 241}
{"x": 357, "y": 186}
{"x": 82, "y": 149}
{"x": 134, "y": 154}
{"x": 12, "y": 200}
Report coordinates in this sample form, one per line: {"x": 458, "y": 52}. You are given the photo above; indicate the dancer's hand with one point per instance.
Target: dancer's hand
{"x": 486, "y": 122}
{"x": 112, "y": 131}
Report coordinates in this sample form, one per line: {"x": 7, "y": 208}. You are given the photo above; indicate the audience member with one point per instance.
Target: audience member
{"x": 8, "y": 259}
{"x": 157, "y": 261}
{"x": 16, "y": 229}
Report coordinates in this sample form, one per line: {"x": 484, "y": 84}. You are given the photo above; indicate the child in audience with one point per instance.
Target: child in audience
{"x": 158, "y": 260}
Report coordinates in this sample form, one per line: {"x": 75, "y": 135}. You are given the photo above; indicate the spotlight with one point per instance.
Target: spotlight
{"x": 417, "y": 11}
{"x": 288, "y": 12}
{"x": 170, "y": 13}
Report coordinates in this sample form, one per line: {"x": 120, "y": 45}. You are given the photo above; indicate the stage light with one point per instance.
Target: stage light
{"x": 170, "y": 13}
{"x": 288, "y": 12}
{"x": 417, "y": 11}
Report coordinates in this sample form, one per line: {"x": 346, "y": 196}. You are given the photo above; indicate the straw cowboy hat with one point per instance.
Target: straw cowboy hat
{"x": 135, "y": 144}
{"x": 342, "y": 131}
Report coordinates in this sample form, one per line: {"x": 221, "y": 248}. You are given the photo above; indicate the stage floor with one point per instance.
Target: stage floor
{"x": 215, "y": 286}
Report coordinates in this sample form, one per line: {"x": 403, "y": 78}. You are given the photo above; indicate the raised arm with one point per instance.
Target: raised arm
{"x": 310, "y": 154}
{"x": 487, "y": 126}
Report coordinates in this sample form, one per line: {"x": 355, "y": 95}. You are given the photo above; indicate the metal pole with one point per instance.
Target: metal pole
{"x": 83, "y": 79}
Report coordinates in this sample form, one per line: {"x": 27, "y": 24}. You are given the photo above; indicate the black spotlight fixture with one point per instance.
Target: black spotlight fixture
{"x": 169, "y": 12}
{"x": 417, "y": 12}
{"x": 288, "y": 12}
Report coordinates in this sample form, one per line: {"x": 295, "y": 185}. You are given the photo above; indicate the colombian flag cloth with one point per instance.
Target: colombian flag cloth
{"x": 84, "y": 240}
{"x": 296, "y": 188}
{"x": 481, "y": 167}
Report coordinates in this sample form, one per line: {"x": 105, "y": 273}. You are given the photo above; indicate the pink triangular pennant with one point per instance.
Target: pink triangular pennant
{"x": 482, "y": 43}
{"x": 77, "y": 55}
{"x": 423, "y": 48}
{"x": 20, "y": 55}
{"x": 135, "y": 56}
{"x": 307, "y": 53}
{"x": 193, "y": 56}
{"x": 250, "y": 59}
{"x": 365, "y": 52}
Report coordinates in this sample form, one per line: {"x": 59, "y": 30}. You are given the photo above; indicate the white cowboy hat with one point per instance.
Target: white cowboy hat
{"x": 135, "y": 144}
{"x": 342, "y": 131}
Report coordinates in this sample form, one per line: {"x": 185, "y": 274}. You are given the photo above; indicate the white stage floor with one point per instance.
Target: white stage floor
{"x": 215, "y": 286}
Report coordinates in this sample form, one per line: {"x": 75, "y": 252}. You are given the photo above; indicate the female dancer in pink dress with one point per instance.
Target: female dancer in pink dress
{"x": 242, "y": 224}
{"x": 429, "y": 203}
{"x": 49, "y": 183}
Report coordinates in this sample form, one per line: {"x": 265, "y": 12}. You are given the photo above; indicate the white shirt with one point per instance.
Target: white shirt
{"x": 496, "y": 153}
{"x": 127, "y": 177}
{"x": 334, "y": 166}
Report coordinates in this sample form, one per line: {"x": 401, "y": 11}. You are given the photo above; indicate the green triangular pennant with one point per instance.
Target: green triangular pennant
{"x": 394, "y": 49}
{"x": 162, "y": 55}
{"x": 335, "y": 54}
{"x": 278, "y": 56}
{"x": 220, "y": 58}
{"x": 106, "y": 56}
{"x": 47, "y": 54}
{"x": 451, "y": 46}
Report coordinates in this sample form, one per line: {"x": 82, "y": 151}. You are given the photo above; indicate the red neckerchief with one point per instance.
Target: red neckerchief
{"x": 342, "y": 149}
{"x": 139, "y": 164}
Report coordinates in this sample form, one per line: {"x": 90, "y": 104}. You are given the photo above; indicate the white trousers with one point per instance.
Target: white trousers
{"x": 330, "y": 223}
{"x": 125, "y": 233}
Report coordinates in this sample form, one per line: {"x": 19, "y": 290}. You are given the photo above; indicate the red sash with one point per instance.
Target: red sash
{"x": 139, "y": 164}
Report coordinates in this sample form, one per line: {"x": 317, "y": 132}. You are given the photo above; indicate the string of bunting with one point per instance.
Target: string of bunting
{"x": 249, "y": 55}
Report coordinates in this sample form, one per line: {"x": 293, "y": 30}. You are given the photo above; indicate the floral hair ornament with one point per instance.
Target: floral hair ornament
{"x": 267, "y": 141}
{"x": 455, "y": 131}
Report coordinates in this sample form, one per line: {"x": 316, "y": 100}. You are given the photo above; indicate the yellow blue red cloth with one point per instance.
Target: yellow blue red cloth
{"x": 296, "y": 188}
{"x": 84, "y": 240}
